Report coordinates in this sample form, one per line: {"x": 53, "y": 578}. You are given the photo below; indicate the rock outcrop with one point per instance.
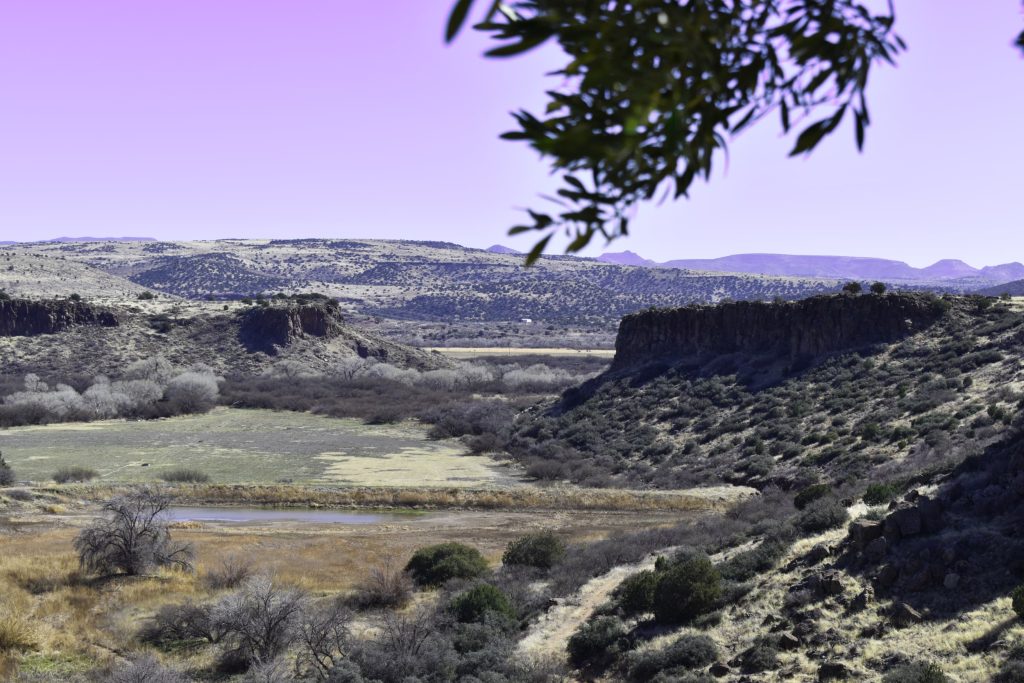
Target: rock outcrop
{"x": 810, "y": 327}
{"x": 270, "y": 328}
{"x": 28, "y": 318}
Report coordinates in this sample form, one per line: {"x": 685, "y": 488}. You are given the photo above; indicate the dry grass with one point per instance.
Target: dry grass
{"x": 428, "y": 498}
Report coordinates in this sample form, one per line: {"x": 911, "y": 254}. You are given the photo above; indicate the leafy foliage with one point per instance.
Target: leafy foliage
{"x": 690, "y": 587}
{"x": 653, "y": 89}
{"x": 542, "y": 550}
{"x": 596, "y": 641}
{"x": 437, "y": 564}
{"x": 476, "y": 603}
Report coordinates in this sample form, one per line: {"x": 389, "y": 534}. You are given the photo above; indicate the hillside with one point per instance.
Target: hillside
{"x": 433, "y": 282}
{"x": 853, "y": 389}
{"x": 61, "y": 338}
{"x": 1015, "y": 288}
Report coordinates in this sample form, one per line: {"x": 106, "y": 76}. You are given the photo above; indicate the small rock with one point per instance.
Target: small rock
{"x": 833, "y": 671}
{"x": 831, "y": 584}
{"x": 818, "y": 553}
{"x": 863, "y": 599}
{"x": 787, "y": 641}
{"x": 904, "y": 615}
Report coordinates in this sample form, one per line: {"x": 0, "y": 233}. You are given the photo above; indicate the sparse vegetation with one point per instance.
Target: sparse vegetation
{"x": 185, "y": 475}
{"x": 69, "y": 475}
{"x": 7, "y": 476}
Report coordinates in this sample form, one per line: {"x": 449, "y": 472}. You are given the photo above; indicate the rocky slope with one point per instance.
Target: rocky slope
{"x": 243, "y": 339}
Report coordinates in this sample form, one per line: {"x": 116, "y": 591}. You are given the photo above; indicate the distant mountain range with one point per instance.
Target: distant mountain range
{"x": 841, "y": 267}
{"x": 83, "y": 239}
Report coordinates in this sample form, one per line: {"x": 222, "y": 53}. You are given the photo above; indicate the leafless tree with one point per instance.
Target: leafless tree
{"x": 324, "y": 637}
{"x": 132, "y": 538}
{"x": 261, "y": 619}
{"x": 145, "y": 669}
{"x": 387, "y": 585}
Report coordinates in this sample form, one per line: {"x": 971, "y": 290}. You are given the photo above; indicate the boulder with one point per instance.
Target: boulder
{"x": 903, "y": 522}
{"x": 904, "y": 615}
{"x": 788, "y": 641}
{"x": 863, "y": 531}
{"x": 833, "y": 671}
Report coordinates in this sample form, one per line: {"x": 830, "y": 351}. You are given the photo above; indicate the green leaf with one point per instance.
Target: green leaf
{"x": 537, "y": 250}
{"x": 513, "y": 49}
{"x": 456, "y": 19}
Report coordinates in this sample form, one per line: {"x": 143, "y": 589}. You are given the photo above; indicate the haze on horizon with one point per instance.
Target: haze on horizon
{"x": 192, "y": 120}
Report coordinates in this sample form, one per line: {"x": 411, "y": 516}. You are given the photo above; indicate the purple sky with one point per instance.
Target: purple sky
{"x": 192, "y": 119}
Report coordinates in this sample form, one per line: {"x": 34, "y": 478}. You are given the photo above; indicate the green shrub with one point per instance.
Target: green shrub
{"x": 822, "y": 515}
{"x": 880, "y": 494}
{"x": 146, "y": 296}
{"x": 185, "y": 475}
{"x": 810, "y": 494}
{"x": 474, "y": 604}
{"x": 66, "y": 475}
{"x": 596, "y": 642}
{"x": 542, "y": 550}
{"x": 636, "y": 592}
{"x": 436, "y": 564}
{"x": 916, "y": 672}
{"x": 688, "y": 588}
{"x": 689, "y": 652}
{"x": 760, "y": 657}
{"x": 1018, "y": 600}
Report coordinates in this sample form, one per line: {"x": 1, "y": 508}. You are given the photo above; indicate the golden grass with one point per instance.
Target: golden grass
{"x": 431, "y": 498}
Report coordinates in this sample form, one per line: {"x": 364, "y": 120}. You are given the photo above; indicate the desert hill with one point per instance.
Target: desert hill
{"x": 64, "y": 338}
{"x": 854, "y": 390}
{"x": 436, "y": 282}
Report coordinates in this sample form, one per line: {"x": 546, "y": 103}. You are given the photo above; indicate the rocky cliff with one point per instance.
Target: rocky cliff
{"x": 266, "y": 329}
{"x": 291, "y": 326}
{"x": 28, "y": 318}
{"x": 810, "y": 327}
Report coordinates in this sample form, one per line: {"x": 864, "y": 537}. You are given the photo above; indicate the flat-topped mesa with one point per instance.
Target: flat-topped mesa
{"x": 809, "y": 327}
{"x": 28, "y": 318}
{"x": 268, "y": 328}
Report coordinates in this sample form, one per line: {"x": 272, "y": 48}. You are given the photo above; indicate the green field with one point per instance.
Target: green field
{"x": 251, "y": 446}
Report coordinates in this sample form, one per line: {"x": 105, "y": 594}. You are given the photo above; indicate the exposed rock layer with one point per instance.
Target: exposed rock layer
{"x": 809, "y": 327}
{"x": 27, "y": 318}
{"x": 263, "y": 329}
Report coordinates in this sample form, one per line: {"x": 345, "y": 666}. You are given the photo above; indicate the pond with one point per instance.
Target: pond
{"x": 243, "y": 515}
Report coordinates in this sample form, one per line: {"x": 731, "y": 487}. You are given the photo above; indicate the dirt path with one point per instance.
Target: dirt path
{"x": 548, "y": 635}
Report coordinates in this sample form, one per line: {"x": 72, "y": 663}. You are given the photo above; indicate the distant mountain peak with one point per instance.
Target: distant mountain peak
{"x": 832, "y": 267}
{"x": 502, "y": 249}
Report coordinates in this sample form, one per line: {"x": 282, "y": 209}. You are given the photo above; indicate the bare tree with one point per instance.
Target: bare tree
{"x": 386, "y": 586}
{"x": 132, "y": 538}
{"x": 324, "y": 636}
{"x": 145, "y": 669}
{"x": 261, "y": 619}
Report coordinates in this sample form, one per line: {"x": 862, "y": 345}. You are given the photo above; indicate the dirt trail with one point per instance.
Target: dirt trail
{"x": 548, "y": 635}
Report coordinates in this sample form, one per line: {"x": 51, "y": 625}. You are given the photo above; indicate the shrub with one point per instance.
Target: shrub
{"x": 880, "y": 494}
{"x": 878, "y": 288}
{"x": 185, "y": 475}
{"x": 822, "y": 515}
{"x": 260, "y": 621}
{"x": 689, "y": 588}
{"x": 810, "y": 494}
{"x": 689, "y": 652}
{"x": 7, "y": 477}
{"x": 916, "y": 672}
{"x": 479, "y": 601}
{"x": 386, "y": 586}
{"x": 16, "y": 633}
{"x": 853, "y": 288}
{"x": 636, "y": 592}
{"x": 144, "y": 669}
{"x": 596, "y": 641}
{"x": 231, "y": 573}
{"x": 193, "y": 392}
{"x": 146, "y": 296}
{"x": 760, "y": 657}
{"x": 542, "y": 550}
{"x": 67, "y": 475}
{"x": 1018, "y": 600}
{"x": 133, "y": 538}
{"x": 436, "y": 564}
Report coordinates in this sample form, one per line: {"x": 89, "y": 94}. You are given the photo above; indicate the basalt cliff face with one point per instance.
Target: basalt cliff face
{"x": 28, "y": 318}
{"x": 265, "y": 329}
{"x": 810, "y": 327}
{"x": 275, "y": 328}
